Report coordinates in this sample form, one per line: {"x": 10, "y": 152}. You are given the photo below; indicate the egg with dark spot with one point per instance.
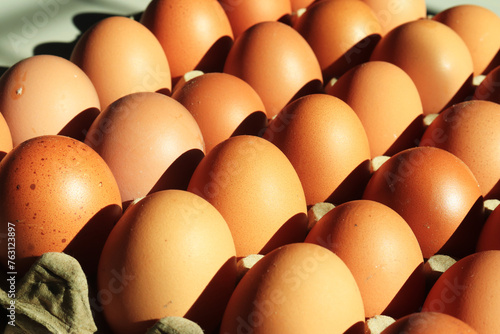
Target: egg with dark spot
{"x": 61, "y": 207}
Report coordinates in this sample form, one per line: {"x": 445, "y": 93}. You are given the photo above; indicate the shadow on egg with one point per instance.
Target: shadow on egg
{"x": 494, "y": 193}
{"x": 492, "y": 65}
{"x": 78, "y": 127}
{"x": 2, "y": 155}
{"x": 208, "y": 309}
{"x": 464, "y": 93}
{"x": 312, "y": 87}
{"x": 358, "y": 328}
{"x": 3, "y": 69}
{"x": 356, "y": 55}
{"x": 214, "y": 58}
{"x": 410, "y": 297}
{"x": 353, "y": 186}
{"x": 164, "y": 91}
{"x": 293, "y": 230}
{"x": 463, "y": 241}
{"x": 410, "y": 137}
{"x": 254, "y": 124}
{"x": 178, "y": 174}
{"x": 87, "y": 245}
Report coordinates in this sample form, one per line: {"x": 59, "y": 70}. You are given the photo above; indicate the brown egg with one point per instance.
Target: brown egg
{"x": 5, "y": 138}
{"x": 342, "y": 34}
{"x": 47, "y": 95}
{"x": 429, "y": 323}
{"x": 121, "y": 57}
{"x": 277, "y": 62}
{"x": 470, "y": 291}
{"x": 171, "y": 254}
{"x": 297, "y": 288}
{"x": 243, "y": 14}
{"x": 223, "y": 105}
{"x": 470, "y": 130}
{"x": 391, "y": 13}
{"x": 438, "y": 196}
{"x": 195, "y": 34}
{"x": 436, "y": 59}
{"x": 488, "y": 239}
{"x": 58, "y": 195}
{"x": 386, "y": 101}
{"x": 149, "y": 141}
{"x": 257, "y": 191}
{"x": 478, "y": 26}
{"x": 327, "y": 145}
{"x": 488, "y": 89}
{"x": 381, "y": 251}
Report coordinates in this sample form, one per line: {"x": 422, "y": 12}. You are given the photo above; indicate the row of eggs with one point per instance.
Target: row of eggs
{"x": 255, "y": 145}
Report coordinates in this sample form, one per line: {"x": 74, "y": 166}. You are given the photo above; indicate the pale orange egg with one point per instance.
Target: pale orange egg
{"x": 277, "y": 62}
{"x": 326, "y": 144}
{"x": 195, "y": 34}
{"x": 380, "y": 250}
{"x": 434, "y": 56}
{"x": 257, "y": 191}
{"x": 478, "y": 27}
{"x": 386, "y": 101}
{"x": 47, "y": 95}
{"x": 223, "y": 106}
{"x": 438, "y": 196}
{"x": 297, "y": 288}
{"x": 171, "y": 254}
{"x": 392, "y": 13}
{"x": 243, "y": 14}
{"x": 121, "y": 57}
{"x": 470, "y": 291}
{"x": 341, "y": 33}
{"x": 149, "y": 141}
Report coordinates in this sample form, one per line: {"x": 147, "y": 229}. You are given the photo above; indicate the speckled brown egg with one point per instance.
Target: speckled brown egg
{"x": 478, "y": 27}
{"x": 277, "y": 62}
{"x": 380, "y": 250}
{"x": 59, "y": 195}
{"x": 342, "y": 34}
{"x": 470, "y": 130}
{"x": 386, "y": 101}
{"x": 429, "y": 323}
{"x": 149, "y": 141}
{"x": 121, "y": 57}
{"x": 297, "y": 288}
{"x": 434, "y": 56}
{"x": 257, "y": 191}
{"x": 470, "y": 291}
{"x": 175, "y": 256}
{"x": 195, "y": 34}
{"x": 47, "y": 95}
{"x": 438, "y": 196}
{"x": 223, "y": 105}
{"x": 327, "y": 145}
{"x": 243, "y": 14}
